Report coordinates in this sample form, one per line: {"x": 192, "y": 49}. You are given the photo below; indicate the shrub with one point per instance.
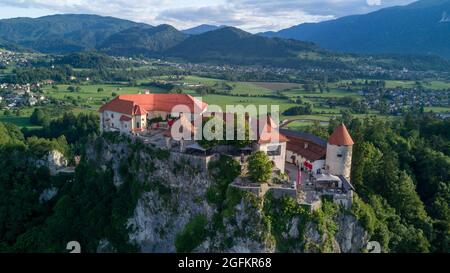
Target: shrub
{"x": 260, "y": 167}
{"x": 193, "y": 234}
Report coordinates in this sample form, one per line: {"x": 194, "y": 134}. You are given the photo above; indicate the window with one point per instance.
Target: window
{"x": 306, "y": 145}
{"x": 339, "y": 155}
{"x": 138, "y": 125}
{"x": 112, "y": 115}
{"x": 274, "y": 150}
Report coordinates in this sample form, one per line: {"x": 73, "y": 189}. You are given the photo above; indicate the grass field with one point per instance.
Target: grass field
{"x": 239, "y": 88}
{"x": 90, "y": 97}
{"x": 23, "y": 120}
{"x": 283, "y": 105}
{"x": 334, "y": 93}
{"x": 437, "y": 109}
{"x": 276, "y": 86}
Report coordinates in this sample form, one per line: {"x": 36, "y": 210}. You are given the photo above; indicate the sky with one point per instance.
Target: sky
{"x": 250, "y": 15}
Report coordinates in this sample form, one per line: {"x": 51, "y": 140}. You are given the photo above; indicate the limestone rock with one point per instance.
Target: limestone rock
{"x": 351, "y": 236}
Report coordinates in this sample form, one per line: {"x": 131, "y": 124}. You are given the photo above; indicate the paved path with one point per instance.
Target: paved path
{"x": 307, "y": 193}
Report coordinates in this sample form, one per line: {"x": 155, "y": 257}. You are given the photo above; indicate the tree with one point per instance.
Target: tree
{"x": 74, "y": 127}
{"x": 404, "y": 198}
{"x": 305, "y": 109}
{"x": 224, "y": 171}
{"x": 39, "y": 117}
{"x": 259, "y": 167}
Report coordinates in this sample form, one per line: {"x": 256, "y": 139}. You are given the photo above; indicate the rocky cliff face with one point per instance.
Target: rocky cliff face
{"x": 351, "y": 236}
{"x": 158, "y": 216}
{"x": 54, "y": 160}
{"x": 167, "y": 214}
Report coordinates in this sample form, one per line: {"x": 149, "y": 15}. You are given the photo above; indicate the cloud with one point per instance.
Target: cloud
{"x": 251, "y": 15}
{"x": 374, "y": 2}
{"x": 253, "y": 20}
{"x": 335, "y": 8}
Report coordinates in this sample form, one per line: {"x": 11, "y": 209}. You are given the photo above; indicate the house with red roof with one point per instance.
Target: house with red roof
{"x": 133, "y": 113}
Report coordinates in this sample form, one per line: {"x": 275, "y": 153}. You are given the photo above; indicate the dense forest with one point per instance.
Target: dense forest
{"x": 87, "y": 206}
{"x": 400, "y": 171}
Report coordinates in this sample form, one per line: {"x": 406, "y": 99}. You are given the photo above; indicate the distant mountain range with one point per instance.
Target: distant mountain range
{"x": 61, "y": 34}
{"x": 422, "y": 27}
{"x": 201, "y": 29}
{"x": 75, "y": 33}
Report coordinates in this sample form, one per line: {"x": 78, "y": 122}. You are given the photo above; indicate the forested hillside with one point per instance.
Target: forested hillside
{"x": 62, "y": 33}
{"x": 401, "y": 171}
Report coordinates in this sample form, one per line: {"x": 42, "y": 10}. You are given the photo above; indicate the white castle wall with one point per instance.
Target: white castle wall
{"x": 142, "y": 120}
{"x": 114, "y": 123}
{"x": 299, "y": 160}
{"x": 279, "y": 160}
{"x": 339, "y": 160}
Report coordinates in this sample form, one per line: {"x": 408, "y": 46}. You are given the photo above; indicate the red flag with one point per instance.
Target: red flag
{"x": 308, "y": 165}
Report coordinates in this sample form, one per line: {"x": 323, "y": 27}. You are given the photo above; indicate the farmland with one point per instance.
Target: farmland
{"x": 88, "y": 97}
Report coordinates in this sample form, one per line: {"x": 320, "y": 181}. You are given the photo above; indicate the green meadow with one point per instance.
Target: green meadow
{"x": 238, "y": 88}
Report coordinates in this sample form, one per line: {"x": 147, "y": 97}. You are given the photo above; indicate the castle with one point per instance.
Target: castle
{"x": 315, "y": 164}
{"x": 146, "y": 115}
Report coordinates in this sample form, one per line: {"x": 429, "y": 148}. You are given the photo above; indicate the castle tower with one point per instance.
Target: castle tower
{"x": 339, "y": 152}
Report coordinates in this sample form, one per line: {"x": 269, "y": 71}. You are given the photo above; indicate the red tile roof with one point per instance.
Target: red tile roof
{"x": 124, "y": 118}
{"x": 265, "y": 133}
{"x": 307, "y": 145}
{"x": 140, "y": 104}
{"x": 341, "y": 137}
{"x": 307, "y": 149}
{"x": 119, "y": 106}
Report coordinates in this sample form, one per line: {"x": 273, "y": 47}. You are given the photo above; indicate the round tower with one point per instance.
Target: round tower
{"x": 339, "y": 152}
